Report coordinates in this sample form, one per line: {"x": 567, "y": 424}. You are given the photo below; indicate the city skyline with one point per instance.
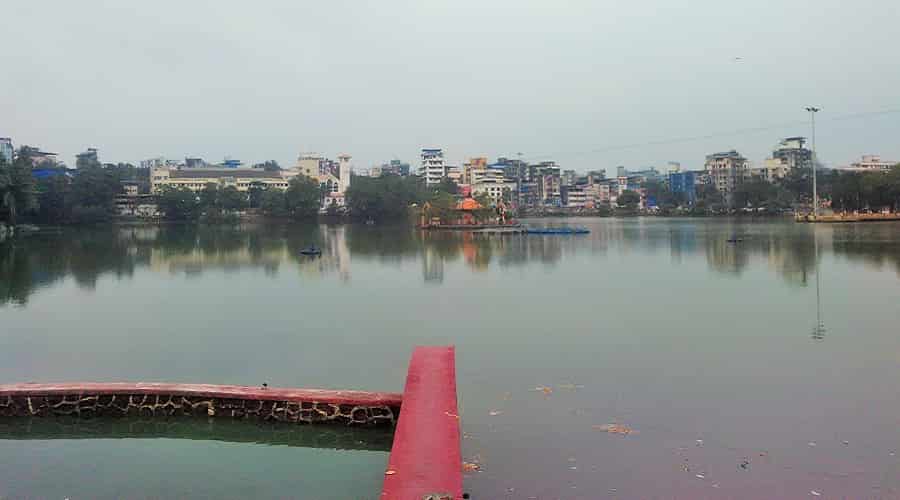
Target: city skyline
{"x": 588, "y": 84}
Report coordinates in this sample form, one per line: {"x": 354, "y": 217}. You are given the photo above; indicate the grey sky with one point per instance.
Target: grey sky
{"x": 268, "y": 79}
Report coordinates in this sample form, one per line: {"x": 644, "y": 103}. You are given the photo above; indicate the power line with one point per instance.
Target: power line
{"x": 730, "y": 133}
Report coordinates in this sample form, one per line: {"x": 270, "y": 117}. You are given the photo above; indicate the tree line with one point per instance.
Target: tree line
{"x": 389, "y": 197}
{"x": 58, "y": 196}
{"x": 847, "y": 191}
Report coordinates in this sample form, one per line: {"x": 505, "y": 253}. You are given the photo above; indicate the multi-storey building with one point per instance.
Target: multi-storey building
{"x": 793, "y": 153}
{"x": 473, "y": 168}
{"x": 872, "y": 163}
{"x": 727, "y": 171}
{"x": 683, "y": 183}
{"x": 432, "y": 168}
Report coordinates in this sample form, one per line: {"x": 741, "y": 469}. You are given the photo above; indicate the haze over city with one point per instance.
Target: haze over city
{"x": 571, "y": 81}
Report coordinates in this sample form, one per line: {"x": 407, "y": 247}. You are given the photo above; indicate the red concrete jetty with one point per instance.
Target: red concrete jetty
{"x": 426, "y": 461}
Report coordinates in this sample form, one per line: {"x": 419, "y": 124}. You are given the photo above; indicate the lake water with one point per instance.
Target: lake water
{"x": 764, "y": 368}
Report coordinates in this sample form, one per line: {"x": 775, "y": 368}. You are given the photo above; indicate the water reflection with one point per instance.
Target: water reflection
{"x": 233, "y": 431}
{"x": 790, "y": 250}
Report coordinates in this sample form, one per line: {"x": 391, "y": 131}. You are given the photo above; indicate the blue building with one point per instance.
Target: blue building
{"x": 683, "y": 182}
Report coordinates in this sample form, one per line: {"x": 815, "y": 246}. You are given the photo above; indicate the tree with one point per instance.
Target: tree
{"x": 179, "y": 204}
{"x": 271, "y": 202}
{"x": 209, "y": 196}
{"x": 54, "y": 199}
{"x": 385, "y": 197}
{"x": 17, "y": 192}
{"x": 708, "y": 198}
{"x": 659, "y": 192}
{"x": 95, "y": 186}
{"x": 447, "y": 186}
{"x": 254, "y": 194}
{"x": 231, "y": 200}
{"x": 629, "y": 199}
{"x": 484, "y": 199}
{"x": 302, "y": 197}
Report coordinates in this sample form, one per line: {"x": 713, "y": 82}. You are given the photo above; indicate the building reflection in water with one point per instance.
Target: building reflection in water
{"x": 789, "y": 250}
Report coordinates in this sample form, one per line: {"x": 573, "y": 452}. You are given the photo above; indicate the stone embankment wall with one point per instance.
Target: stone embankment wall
{"x": 169, "y": 400}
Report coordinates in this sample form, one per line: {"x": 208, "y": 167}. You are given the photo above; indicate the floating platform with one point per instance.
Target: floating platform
{"x": 558, "y": 230}
{"x": 468, "y": 227}
{"x": 848, "y": 218}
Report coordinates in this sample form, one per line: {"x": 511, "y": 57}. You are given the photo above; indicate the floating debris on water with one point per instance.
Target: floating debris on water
{"x": 745, "y": 464}
{"x": 494, "y": 413}
{"x": 699, "y": 442}
{"x": 471, "y": 467}
{"x": 389, "y": 472}
{"x": 546, "y": 390}
{"x": 812, "y": 443}
{"x": 615, "y": 429}
{"x": 700, "y": 476}
{"x": 815, "y": 493}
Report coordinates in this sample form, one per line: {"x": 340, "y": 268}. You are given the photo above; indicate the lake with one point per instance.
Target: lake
{"x": 761, "y": 368}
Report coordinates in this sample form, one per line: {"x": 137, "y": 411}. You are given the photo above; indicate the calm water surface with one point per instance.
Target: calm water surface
{"x": 740, "y": 380}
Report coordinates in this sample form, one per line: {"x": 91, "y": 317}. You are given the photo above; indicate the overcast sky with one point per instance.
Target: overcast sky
{"x": 569, "y": 80}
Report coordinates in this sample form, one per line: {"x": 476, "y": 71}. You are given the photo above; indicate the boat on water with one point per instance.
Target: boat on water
{"x": 311, "y": 251}
{"x": 557, "y": 230}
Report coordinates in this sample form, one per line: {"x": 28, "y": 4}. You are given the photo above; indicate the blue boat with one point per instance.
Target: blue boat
{"x": 557, "y": 230}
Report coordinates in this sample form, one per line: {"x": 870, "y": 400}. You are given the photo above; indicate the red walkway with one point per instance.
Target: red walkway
{"x": 425, "y": 459}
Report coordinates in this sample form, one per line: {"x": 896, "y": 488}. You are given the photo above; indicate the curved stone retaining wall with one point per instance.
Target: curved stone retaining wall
{"x": 167, "y": 400}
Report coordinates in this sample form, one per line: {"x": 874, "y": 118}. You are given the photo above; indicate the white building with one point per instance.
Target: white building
{"x": 432, "y": 167}
{"x": 727, "y": 171}
{"x": 494, "y": 187}
{"x": 578, "y": 196}
{"x": 872, "y": 163}
{"x": 312, "y": 165}
{"x": 196, "y": 179}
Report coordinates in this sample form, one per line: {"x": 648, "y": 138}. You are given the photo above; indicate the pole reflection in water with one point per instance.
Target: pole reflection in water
{"x": 818, "y": 331}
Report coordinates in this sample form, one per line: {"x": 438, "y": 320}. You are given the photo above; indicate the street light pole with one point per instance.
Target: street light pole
{"x": 812, "y": 117}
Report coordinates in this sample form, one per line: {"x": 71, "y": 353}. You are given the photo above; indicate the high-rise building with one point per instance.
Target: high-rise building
{"x": 345, "y": 171}
{"x": 6, "y": 149}
{"x": 727, "y": 171}
{"x": 792, "y": 151}
{"x": 86, "y": 158}
{"x": 432, "y": 167}
{"x": 683, "y": 182}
